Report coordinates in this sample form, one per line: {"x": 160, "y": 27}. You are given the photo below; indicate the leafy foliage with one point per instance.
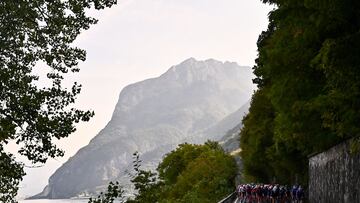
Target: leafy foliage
{"x": 39, "y": 32}
{"x": 255, "y": 141}
{"x": 308, "y": 73}
{"x": 196, "y": 173}
{"x": 11, "y": 173}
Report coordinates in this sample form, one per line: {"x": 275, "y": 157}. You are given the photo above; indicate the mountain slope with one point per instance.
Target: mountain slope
{"x": 184, "y": 104}
{"x": 230, "y": 140}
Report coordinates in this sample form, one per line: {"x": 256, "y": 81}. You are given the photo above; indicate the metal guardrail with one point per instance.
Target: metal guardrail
{"x": 229, "y": 199}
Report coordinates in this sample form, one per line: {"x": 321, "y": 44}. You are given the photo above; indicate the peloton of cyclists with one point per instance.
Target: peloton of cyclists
{"x": 269, "y": 193}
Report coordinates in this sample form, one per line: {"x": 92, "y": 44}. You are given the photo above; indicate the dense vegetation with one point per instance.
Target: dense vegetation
{"x": 38, "y": 33}
{"x": 308, "y": 75}
{"x": 190, "y": 173}
{"x": 197, "y": 173}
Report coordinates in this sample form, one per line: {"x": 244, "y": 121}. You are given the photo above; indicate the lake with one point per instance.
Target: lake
{"x": 54, "y": 201}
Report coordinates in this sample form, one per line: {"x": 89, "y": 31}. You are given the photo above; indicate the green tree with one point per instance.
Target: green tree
{"x": 256, "y": 139}
{"x": 38, "y": 32}
{"x": 197, "y": 173}
{"x": 308, "y": 72}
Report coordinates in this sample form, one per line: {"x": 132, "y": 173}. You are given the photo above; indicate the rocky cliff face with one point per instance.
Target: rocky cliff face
{"x": 188, "y": 103}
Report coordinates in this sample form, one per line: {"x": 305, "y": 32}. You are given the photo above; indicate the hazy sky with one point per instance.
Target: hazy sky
{"x": 139, "y": 39}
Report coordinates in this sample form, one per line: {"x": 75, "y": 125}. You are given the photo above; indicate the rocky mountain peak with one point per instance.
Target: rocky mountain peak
{"x": 185, "y": 104}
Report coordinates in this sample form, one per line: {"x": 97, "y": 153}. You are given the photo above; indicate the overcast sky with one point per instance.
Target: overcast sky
{"x": 139, "y": 39}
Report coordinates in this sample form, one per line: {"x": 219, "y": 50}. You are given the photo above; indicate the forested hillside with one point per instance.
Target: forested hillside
{"x": 308, "y": 77}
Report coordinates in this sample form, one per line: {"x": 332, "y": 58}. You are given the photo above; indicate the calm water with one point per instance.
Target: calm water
{"x": 53, "y": 201}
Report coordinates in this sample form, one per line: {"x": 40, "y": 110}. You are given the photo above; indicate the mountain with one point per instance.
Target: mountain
{"x": 233, "y": 122}
{"x": 190, "y": 102}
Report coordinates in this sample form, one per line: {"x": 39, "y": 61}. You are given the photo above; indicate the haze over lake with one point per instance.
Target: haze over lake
{"x": 53, "y": 201}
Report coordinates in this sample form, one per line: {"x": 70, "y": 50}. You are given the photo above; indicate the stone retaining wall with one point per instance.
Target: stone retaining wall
{"x": 334, "y": 176}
